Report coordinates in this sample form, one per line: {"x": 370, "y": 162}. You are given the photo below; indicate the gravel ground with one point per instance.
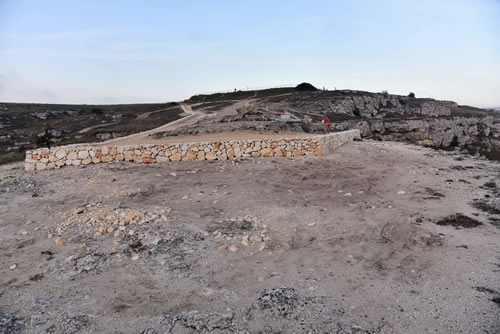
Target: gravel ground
{"x": 378, "y": 237}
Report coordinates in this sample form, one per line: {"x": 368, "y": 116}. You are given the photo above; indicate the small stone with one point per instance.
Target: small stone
{"x": 347, "y": 195}
{"x": 282, "y": 251}
{"x": 232, "y": 247}
{"x": 14, "y": 266}
{"x": 185, "y": 197}
{"x": 222, "y": 247}
{"x": 255, "y": 238}
{"x": 262, "y": 246}
{"x": 401, "y": 192}
{"x": 110, "y": 230}
{"x": 59, "y": 242}
{"x": 135, "y": 257}
{"x": 23, "y": 232}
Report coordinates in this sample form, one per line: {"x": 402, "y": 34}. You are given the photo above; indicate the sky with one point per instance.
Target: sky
{"x": 120, "y": 51}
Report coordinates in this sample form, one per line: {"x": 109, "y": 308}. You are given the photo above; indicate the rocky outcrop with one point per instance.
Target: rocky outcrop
{"x": 427, "y": 122}
{"x": 475, "y": 135}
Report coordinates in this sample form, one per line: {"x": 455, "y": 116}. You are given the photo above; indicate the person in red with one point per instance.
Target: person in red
{"x": 327, "y": 122}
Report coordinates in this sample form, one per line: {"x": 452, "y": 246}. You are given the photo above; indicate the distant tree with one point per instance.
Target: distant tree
{"x": 412, "y": 95}
{"x": 305, "y": 87}
{"x": 44, "y": 139}
{"x": 385, "y": 92}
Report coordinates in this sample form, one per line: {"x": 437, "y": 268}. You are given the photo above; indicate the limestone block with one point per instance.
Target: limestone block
{"x": 175, "y": 157}
{"x": 266, "y": 152}
{"x": 83, "y": 154}
{"x": 41, "y": 166}
{"x": 256, "y": 154}
{"x": 210, "y": 156}
{"x": 190, "y": 156}
{"x": 161, "y": 159}
{"x": 72, "y": 155}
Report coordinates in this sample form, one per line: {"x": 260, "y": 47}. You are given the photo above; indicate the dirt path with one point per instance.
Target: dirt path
{"x": 345, "y": 244}
{"x": 143, "y": 137}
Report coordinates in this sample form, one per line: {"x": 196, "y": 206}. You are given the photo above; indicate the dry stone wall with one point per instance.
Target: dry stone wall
{"x": 81, "y": 155}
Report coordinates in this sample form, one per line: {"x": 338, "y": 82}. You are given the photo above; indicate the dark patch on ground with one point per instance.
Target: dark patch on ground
{"x": 486, "y": 207}
{"x": 491, "y": 185}
{"x": 433, "y": 194}
{"x": 459, "y": 221}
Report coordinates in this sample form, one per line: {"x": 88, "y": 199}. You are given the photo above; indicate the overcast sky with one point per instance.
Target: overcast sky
{"x": 119, "y": 51}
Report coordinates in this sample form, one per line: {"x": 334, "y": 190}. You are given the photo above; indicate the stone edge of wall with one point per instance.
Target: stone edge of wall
{"x": 85, "y": 154}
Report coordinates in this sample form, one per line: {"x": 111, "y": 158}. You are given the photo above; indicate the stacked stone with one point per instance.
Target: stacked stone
{"x": 79, "y": 155}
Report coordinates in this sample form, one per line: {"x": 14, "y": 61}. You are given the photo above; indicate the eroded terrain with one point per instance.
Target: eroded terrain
{"x": 375, "y": 238}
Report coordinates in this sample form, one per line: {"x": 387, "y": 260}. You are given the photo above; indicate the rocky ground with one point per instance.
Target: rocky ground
{"x": 378, "y": 237}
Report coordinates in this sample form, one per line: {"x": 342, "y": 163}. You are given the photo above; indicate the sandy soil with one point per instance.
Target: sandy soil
{"x": 344, "y": 244}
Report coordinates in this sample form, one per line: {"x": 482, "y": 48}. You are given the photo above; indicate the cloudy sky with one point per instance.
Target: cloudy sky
{"x": 120, "y": 51}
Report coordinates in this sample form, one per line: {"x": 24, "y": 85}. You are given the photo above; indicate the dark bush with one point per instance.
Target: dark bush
{"x": 412, "y": 95}
{"x": 44, "y": 139}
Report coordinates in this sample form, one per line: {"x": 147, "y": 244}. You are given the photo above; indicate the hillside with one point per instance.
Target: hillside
{"x": 21, "y": 123}
{"x": 423, "y": 121}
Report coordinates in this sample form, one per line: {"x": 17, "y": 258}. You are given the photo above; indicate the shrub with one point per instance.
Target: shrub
{"x": 44, "y": 139}
{"x": 412, "y": 95}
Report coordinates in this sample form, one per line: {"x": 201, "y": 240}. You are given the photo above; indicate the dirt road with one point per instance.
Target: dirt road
{"x": 142, "y": 137}
{"x": 352, "y": 243}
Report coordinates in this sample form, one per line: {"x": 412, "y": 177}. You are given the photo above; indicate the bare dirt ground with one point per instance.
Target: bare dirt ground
{"x": 366, "y": 240}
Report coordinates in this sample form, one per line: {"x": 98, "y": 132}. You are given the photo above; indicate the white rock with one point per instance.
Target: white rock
{"x": 60, "y": 154}
{"x": 83, "y": 154}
